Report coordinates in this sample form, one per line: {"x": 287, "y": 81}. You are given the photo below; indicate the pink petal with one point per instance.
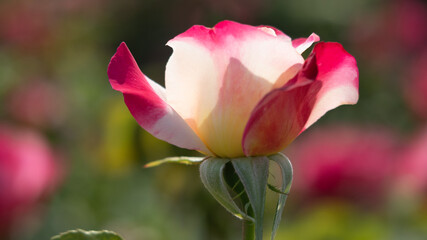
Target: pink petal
{"x": 275, "y": 31}
{"x": 302, "y": 44}
{"x": 146, "y": 101}
{"x": 281, "y": 115}
{"x": 337, "y": 70}
{"x": 212, "y": 71}
{"x": 285, "y": 112}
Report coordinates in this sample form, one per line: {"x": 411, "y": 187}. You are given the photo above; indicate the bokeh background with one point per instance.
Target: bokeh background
{"x": 71, "y": 155}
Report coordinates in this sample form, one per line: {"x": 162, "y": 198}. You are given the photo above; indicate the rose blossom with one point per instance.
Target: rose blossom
{"x": 237, "y": 90}
{"x": 392, "y": 32}
{"x": 49, "y": 110}
{"x": 344, "y": 162}
{"x": 411, "y": 170}
{"x": 28, "y": 172}
{"x": 25, "y": 24}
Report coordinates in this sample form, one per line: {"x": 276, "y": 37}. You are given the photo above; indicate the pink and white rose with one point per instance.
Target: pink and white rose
{"x": 236, "y": 90}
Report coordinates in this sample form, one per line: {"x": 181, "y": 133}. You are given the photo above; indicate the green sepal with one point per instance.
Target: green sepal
{"x": 87, "y": 235}
{"x": 287, "y": 173}
{"x": 212, "y": 176}
{"x": 275, "y": 189}
{"x": 181, "y": 160}
{"x": 253, "y": 172}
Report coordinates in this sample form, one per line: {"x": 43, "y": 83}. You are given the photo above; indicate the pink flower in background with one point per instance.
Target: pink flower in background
{"x": 411, "y": 23}
{"x": 25, "y": 24}
{"x": 28, "y": 172}
{"x": 345, "y": 162}
{"x": 390, "y": 33}
{"x": 236, "y": 90}
{"x": 416, "y": 85}
{"x": 411, "y": 169}
{"x": 39, "y": 102}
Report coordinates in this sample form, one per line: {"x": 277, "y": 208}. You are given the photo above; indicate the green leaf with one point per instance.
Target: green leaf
{"x": 212, "y": 176}
{"x": 253, "y": 172}
{"x": 287, "y": 173}
{"x": 181, "y": 160}
{"x": 87, "y": 235}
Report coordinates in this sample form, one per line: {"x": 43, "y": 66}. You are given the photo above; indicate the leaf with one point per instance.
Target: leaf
{"x": 253, "y": 172}
{"x": 182, "y": 160}
{"x": 212, "y": 176}
{"x": 287, "y": 173}
{"x": 87, "y": 235}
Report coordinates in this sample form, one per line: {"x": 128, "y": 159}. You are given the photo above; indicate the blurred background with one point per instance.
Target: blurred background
{"x": 71, "y": 155}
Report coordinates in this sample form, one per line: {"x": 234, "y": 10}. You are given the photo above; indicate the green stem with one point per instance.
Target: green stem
{"x": 248, "y": 230}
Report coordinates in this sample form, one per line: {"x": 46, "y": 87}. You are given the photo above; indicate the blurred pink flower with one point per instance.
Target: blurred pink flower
{"x": 28, "y": 172}
{"x": 416, "y": 85}
{"x": 411, "y": 168}
{"x": 37, "y": 102}
{"x": 343, "y": 162}
{"x": 24, "y": 24}
{"x": 236, "y": 90}
{"x": 392, "y": 32}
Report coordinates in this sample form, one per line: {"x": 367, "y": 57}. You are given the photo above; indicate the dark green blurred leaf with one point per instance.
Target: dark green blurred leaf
{"x": 87, "y": 235}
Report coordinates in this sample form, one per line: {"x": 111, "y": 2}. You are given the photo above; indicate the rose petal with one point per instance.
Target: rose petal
{"x": 275, "y": 31}
{"x": 337, "y": 70}
{"x": 281, "y": 115}
{"x": 302, "y": 44}
{"x": 215, "y": 77}
{"x": 146, "y": 101}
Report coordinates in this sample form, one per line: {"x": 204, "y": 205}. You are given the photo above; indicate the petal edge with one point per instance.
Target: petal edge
{"x": 338, "y": 72}
{"x": 145, "y": 100}
{"x": 302, "y": 44}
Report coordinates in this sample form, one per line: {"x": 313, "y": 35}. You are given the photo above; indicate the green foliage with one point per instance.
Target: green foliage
{"x": 212, "y": 176}
{"x": 337, "y": 220}
{"x": 253, "y": 173}
{"x": 287, "y": 174}
{"x": 249, "y": 187}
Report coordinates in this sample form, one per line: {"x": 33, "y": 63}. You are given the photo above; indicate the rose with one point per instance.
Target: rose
{"x": 328, "y": 164}
{"x": 236, "y": 90}
{"x": 241, "y": 92}
{"x": 411, "y": 167}
{"x": 400, "y": 28}
{"x": 28, "y": 173}
{"x": 50, "y": 109}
